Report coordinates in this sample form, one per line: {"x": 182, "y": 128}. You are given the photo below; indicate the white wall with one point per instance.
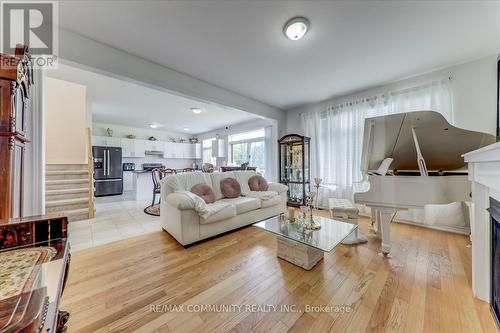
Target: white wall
{"x": 77, "y": 50}
{"x": 474, "y": 95}
{"x": 65, "y": 122}
{"x": 120, "y": 131}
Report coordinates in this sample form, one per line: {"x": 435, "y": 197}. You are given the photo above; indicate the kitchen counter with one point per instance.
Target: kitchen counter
{"x": 143, "y": 185}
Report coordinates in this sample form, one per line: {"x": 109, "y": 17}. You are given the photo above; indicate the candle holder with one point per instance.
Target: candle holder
{"x": 317, "y": 184}
{"x": 309, "y": 223}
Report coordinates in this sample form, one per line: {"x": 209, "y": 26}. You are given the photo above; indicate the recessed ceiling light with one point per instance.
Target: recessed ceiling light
{"x": 153, "y": 125}
{"x": 196, "y": 110}
{"x": 296, "y": 28}
{"x": 186, "y": 129}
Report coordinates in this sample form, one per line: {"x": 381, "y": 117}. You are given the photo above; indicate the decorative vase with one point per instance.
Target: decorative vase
{"x": 109, "y": 131}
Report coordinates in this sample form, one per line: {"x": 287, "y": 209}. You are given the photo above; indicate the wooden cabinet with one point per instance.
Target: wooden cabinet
{"x": 34, "y": 229}
{"x": 16, "y": 77}
{"x": 133, "y": 147}
{"x": 36, "y": 251}
{"x": 294, "y": 171}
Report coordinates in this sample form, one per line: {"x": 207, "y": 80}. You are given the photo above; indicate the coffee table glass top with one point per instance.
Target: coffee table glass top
{"x": 332, "y": 231}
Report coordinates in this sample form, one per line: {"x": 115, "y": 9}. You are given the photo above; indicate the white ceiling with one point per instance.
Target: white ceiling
{"x": 239, "y": 45}
{"x": 123, "y": 103}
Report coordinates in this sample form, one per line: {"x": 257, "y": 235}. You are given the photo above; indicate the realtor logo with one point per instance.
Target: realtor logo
{"x": 32, "y": 23}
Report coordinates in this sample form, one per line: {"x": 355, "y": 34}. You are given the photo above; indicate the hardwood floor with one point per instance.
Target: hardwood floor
{"x": 425, "y": 287}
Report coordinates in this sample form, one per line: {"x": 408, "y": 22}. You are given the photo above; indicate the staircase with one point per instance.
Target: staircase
{"x": 67, "y": 190}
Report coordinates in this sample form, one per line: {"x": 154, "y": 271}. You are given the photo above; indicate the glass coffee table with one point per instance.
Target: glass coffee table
{"x": 304, "y": 247}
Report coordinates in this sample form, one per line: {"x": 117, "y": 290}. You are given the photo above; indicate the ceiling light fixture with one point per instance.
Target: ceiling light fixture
{"x": 296, "y": 28}
{"x": 153, "y": 125}
{"x": 186, "y": 129}
{"x": 196, "y": 110}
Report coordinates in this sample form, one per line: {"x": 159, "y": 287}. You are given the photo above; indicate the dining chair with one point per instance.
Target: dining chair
{"x": 158, "y": 175}
{"x": 207, "y": 167}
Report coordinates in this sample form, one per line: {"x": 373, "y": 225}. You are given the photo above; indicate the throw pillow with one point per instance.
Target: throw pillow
{"x": 258, "y": 183}
{"x": 205, "y": 192}
{"x": 230, "y": 188}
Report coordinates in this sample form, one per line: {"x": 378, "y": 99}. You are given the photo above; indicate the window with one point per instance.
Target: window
{"x": 248, "y": 147}
{"x": 207, "y": 151}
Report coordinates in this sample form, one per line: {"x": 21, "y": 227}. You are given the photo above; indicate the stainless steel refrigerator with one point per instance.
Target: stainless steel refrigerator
{"x": 108, "y": 174}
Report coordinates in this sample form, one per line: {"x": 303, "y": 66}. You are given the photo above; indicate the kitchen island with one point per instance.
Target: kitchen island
{"x": 143, "y": 185}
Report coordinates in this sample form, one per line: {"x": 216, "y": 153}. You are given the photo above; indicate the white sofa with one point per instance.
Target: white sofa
{"x": 189, "y": 219}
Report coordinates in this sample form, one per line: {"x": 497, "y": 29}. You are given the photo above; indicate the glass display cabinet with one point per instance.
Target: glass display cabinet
{"x": 294, "y": 169}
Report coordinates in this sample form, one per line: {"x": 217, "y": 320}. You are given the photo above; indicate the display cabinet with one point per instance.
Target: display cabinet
{"x": 294, "y": 171}
{"x": 16, "y": 77}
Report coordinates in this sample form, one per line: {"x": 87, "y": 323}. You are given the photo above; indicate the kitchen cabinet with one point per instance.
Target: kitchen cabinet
{"x": 106, "y": 141}
{"x": 187, "y": 150}
{"x": 168, "y": 151}
{"x": 155, "y": 145}
{"x": 179, "y": 150}
{"x": 173, "y": 150}
{"x": 133, "y": 147}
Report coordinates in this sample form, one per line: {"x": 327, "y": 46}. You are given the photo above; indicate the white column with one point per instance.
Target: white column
{"x": 481, "y": 243}
{"x": 34, "y": 169}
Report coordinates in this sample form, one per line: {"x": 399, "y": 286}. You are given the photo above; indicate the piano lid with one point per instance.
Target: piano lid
{"x": 441, "y": 144}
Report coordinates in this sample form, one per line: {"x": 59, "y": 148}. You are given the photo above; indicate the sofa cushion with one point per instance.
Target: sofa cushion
{"x": 271, "y": 202}
{"x": 242, "y": 177}
{"x": 205, "y": 192}
{"x": 216, "y": 179}
{"x": 218, "y": 211}
{"x": 184, "y": 181}
{"x": 277, "y": 187}
{"x": 230, "y": 188}
{"x": 262, "y": 195}
{"x": 244, "y": 204}
{"x": 258, "y": 183}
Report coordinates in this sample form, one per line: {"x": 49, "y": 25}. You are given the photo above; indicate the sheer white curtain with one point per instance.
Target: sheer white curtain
{"x": 337, "y": 133}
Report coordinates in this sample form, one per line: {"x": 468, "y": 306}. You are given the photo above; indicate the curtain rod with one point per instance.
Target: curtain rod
{"x": 383, "y": 95}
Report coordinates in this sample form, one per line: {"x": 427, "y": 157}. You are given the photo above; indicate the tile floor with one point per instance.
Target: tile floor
{"x": 116, "y": 218}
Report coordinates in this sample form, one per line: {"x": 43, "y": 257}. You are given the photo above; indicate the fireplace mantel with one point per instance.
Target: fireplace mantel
{"x": 484, "y": 173}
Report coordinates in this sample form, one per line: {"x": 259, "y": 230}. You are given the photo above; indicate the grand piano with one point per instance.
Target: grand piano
{"x": 411, "y": 160}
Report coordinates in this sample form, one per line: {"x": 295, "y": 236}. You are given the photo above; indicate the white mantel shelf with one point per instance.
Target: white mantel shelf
{"x": 484, "y": 173}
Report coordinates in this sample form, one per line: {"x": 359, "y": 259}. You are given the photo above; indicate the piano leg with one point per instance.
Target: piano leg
{"x": 385, "y": 218}
{"x": 373, "y": 221}
{"x": 375, "y": 227}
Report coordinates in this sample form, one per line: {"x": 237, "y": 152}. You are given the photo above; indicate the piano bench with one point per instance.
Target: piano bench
{"x": 344, "y": 210}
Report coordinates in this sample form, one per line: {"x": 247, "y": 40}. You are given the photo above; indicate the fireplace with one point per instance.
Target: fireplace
{"x": 495, "y": 258}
